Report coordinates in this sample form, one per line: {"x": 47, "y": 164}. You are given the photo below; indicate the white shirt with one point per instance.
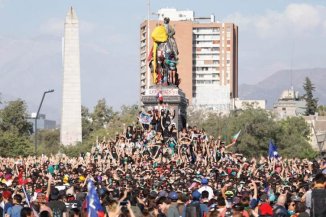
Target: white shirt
{"x": 208, "y": 189}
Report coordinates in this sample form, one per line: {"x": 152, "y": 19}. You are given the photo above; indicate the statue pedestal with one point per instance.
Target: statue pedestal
{"x": 173, "y": 96}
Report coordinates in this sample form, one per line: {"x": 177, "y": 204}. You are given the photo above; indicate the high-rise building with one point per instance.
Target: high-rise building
{"x": 71, "y": 128}
{"x": 208, "y": 57}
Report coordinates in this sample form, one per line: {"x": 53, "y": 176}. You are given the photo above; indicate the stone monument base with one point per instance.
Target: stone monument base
{"x": 173, "y": 97}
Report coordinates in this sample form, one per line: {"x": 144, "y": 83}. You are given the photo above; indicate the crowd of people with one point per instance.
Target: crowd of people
{"x": 154, "y": 170}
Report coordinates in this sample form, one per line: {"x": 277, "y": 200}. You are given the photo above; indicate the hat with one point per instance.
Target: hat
{"x": 81, "y": 178}
{"x": 173, "y": 196}
{"x": 204, "y": 181}
{"x": 6, "y": 194}
{"x": 163, "y": 194}
{"x": 196, "y": 195}
{"x": 265, "y": 209}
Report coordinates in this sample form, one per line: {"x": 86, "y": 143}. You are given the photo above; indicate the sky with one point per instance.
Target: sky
{"x": 273, "y": 35}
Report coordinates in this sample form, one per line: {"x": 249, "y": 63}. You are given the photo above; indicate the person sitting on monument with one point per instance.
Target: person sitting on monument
{"x": 171, "y": 64}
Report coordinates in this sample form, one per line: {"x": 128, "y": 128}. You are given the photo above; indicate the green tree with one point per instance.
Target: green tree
{"x": 102, "y": 114}
{"x": 311, "y": 102}
{"x": 13, "y": 144}
{"x": 321, "y": 110}
{"x": 49, "y": 141}
{"x": 257, "y": 128}
{"x": 87, "y": 127}
{"x": 293, "y": 138}
{"x": 15, "y": 130}
{"x": 13, "y": 118}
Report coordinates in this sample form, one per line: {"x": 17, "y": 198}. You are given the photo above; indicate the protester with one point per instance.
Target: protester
{"x": 149, "y": 171}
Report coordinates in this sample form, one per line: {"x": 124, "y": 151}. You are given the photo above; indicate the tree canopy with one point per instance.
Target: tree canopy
{"x": 257, "y": 128}
{"x": 311, "y": 101}
{"x": 15, "y": 130}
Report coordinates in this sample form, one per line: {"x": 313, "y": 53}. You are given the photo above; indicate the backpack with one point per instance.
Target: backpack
{"x": 193, "y": 210}
{"x": 318, "y": 203}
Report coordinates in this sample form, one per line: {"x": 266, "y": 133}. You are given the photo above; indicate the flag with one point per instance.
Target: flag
{"x": 27, "y": 197}
{"x": 235, "y": 136}
{"x": 94, "y": 208}
{"x": 159, "y": 97}
{"x": 145, "y": 118}
{"x": 21, "y": 180}
{"x": 272, "y": 150}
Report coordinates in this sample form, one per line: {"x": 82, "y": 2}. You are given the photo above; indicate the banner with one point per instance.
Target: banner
{"x": 145, "y": 118}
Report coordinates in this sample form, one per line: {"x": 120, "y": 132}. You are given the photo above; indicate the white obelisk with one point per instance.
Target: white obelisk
{"x": 71, "y": 127}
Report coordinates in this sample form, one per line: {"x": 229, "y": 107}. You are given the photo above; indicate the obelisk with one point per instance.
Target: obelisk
{"x": 71, "y": 127}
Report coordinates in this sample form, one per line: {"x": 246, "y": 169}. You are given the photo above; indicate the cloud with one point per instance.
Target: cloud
{"x": 275, "y": 40}
{"x": 303, "y": 19}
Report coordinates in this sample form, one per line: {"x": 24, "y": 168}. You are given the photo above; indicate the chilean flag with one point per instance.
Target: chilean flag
{"x": 160, "y": 97}
{"x": 94, "y": 208}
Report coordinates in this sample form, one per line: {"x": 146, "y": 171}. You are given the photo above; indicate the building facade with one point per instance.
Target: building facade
{"x": 289, "y": 105}
{"x": 42, "y": 122}
{"x": 208, "y": 57}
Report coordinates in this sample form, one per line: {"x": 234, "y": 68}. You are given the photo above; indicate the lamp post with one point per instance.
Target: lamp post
{"x": 36, "y": 117}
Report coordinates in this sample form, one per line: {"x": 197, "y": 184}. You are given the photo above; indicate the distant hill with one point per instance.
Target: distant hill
{"x": 271, "y": 87}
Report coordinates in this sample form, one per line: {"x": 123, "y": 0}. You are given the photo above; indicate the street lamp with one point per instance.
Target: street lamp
{"x": 36, "y": 117}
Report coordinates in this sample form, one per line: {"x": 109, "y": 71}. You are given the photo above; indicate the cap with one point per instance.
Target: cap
{"x": 173, "y": 196}
{"x": 6, "y": 194}
{"x": 204, "y": 181}
{"x": 266, "y": 209}
{"x": 163, "y": 194}
{"x": 196, "y": 195}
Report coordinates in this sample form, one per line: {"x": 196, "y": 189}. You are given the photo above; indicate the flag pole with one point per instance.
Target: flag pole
{"x": 148, "y": 50}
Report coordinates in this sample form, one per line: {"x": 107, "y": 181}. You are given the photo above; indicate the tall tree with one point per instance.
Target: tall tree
{"x": 311, "y": 102}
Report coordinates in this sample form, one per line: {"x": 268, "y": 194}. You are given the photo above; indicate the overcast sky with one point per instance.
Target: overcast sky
{"x": 273, "y": 35}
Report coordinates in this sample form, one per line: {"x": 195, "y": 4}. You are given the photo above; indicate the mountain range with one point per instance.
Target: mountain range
{"x": 271, "y": 87}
